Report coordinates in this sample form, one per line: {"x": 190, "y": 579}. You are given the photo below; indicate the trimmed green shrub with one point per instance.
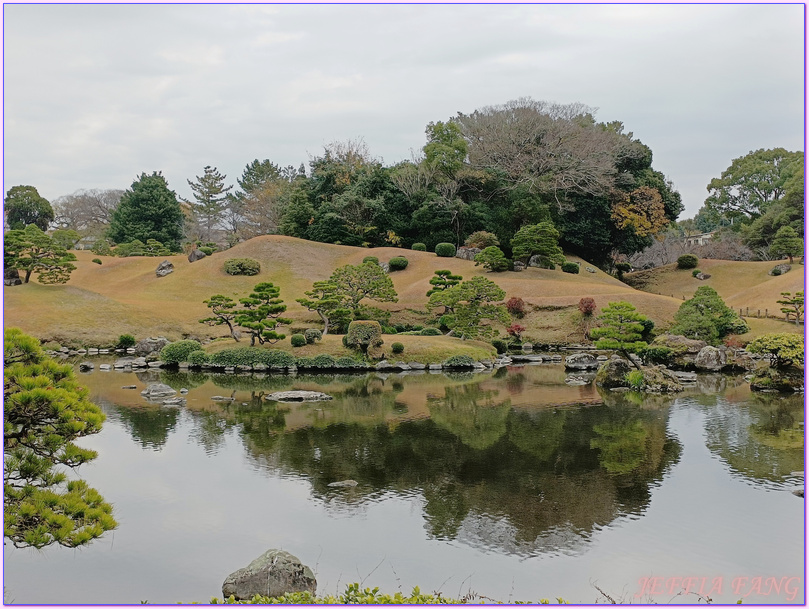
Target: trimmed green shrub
{"x": 248, "y": 356}
{"x": 445, "y": 250}
{"x": 322, "y": 361}
{"x": 775, "y": 272}
{"x": 482, "y": 239}
{"x": 695, "y": 272}
{"x": 687, "y": 261}
{"x": 133, "y": 248}
{"x": 430, "y": 332}
{"x": 500, "y": 345}
{"x": 372, "y": 259}
{"x": 297, "y": 340}
{"x": 397, "y": 263}
{"x": 419, "y": 247}
{"x": 459, "y": 361}
{"x": 98, "y": 261}
{"x": 656, "y": 355}
{"x": 198, "y": 358}
{"x": 363, "y": 334}
{"x": 348, "y": 362}
{"x": 206, "y": 250}
{"x": 242, "y": 266}
{"x": 397, "y": 347}
{"x": 102, "y": 248}
{"x": 570, "y": 267}
{"x": 125, "y": 341}
{"x": 312, "y": 334}
{"x": 174, "y": 353}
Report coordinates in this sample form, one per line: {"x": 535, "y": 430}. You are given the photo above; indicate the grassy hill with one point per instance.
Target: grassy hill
{"x": 123, "y": 295}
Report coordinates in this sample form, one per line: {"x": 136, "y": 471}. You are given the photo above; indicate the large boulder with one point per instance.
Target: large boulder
{"x": 711, "y": 359}
{"x": 612, "y": 373}
{"x": 156, "y": 391}
{"x": 164, "y": 268}
{"x": 196, "y": 255}
{"x": 467, "y": 253}
{"x": 272, "y": 574}
{"x": 581, "y": 361}
{"x": 684, "y": 350}
{"x": 660, "y": 380}
{"x": 150, "y": 345}
{"x": 11, "y": 277}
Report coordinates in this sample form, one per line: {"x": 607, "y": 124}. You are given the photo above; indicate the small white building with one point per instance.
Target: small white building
{"x": 701, "y": 239}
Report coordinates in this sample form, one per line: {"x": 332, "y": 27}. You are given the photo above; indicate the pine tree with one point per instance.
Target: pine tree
{"x": 211, "y": 196}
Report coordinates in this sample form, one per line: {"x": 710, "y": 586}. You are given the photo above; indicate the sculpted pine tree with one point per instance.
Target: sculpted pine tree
{"x": 261, "y": 314}
{"x": 473, "y": 303}
{"x": 211, "y": 197}
{"x": 44, "y": 412}
{"x": 223, "y": 312}
{"x": 621, "y": 330}
{"x": 32, "y": 251}
{"x": 538, "y": 240}
{"x": 328, "y": 303}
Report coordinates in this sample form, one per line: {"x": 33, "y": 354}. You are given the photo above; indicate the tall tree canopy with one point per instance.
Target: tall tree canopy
{"x": 24, "y": 206}
{"x": 148, "y": 210}
{"x": 88, "y": 212}
{"x": 753, "y": 182}
{"x": 44, "y": 412}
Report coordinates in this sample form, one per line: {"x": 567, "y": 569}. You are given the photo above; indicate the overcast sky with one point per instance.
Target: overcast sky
{"x": 94, "y": 95}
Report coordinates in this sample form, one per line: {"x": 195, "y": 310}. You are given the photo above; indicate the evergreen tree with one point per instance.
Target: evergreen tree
{"x": 149, "y": 210}
{"x": 706, "y": 317}
{"x": 32, "y": 251}
{"x": 44, "y": 412}
{"x": 24, "y": 206}
{"x": 211, "y": 197}
{"x": 787, "y": 243}
{"x": 622, "y": 329}
{"x": 538, "y": 240}
{"x": 261, "y": 314}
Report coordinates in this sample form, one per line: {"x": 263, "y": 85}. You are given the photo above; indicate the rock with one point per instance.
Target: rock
{"x": 297, "y": 396}
{"x": 710, "y": 358}
{"x": 777, "y": 379}
{"x": 602, "y": 358}
{"x": 581, "y": 361}
{"x": 104, "y": 367}
{"x": 533, "y": 357}
{"x": 685, "y": 377}
{"x": 467, "y": 253}
{"x": 401, "y": 366}
{"x": 798, "y": 492}
{"x": 174, "y": 402}
{"x": 11, "y": 277}
{"x": 384, "y": 365}
{"x": 416, "y": 366}
{"x": 222, "y": 398}
{"x": 660, "y": 380}
{"x": 274, "y": 573}
{"x": 92, "y": 351}
{"x": 195, "y": 255}
{"x": 343, "y": 484}
{"x": 129, "y": 387}
{"x": 684, "y": 350}
{"x": 434, "y": 367}
{"x": 164, "y": 268}
{"x": 589, "y": 269}
{"x": 156, "y": 364}
{"x": 612, "y": 373}
{"x": 782, "y": 268}
{"x": 157, "y": 390}
{"x": 86, "y": 366}
{"x": 151, "y": 345}
{"x": 576, "y": 380}
{"x": 519, "y": 266}
{"x": 702, "y": 276}
{"x": 385, "y": 266}
{"x": 183, "y": 390}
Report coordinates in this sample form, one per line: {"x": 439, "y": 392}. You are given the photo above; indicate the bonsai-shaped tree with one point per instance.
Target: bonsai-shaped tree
{"x": 223, "y": 312}
{"x": 793, "y": 305}
{"x": 261, "y": 314}
{"x": 621, "y": 330}
{"x": 784, "y": 349}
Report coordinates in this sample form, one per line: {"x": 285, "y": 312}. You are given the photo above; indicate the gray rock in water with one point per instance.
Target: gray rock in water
{"x": 174, "y": 402}
{"x": 221, "y": 398}
{"x": 105, "y": 367}
{"x": 798, "y": 492}
{"x": 710, "y": 358}
{"x": 612, "y": 373}
{"x": 343, "y": 484}
{"x": 297, "y": 396}
{"x": 274, "y": 573}
{"x": 164, "y": 268}
{"x": 196, "y": 255}
{"x": 576, "y": 380}
{"x": 157, "y": 390}
{"x": 581, "y": 361}
{"x": 86, "y": 366}
{"x": 129, "y": 387}
{"x": 150, "y": 345}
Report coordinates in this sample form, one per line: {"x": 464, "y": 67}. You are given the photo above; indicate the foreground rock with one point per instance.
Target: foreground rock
{"x": 11, "y": 277}
{"x": 711, "y": 359}
{"x": 581, "y": 361}
{"x": 612, "y": 373}
{"x": 656, "y": 379}
{"x": 196, "y": 255}
{"x": 274, "y": 573}
{"x": 684, "y": 350}
{"x": 150, "y": 345}
{"x": 788, "y": 379}
{"x": 297, "y": 396}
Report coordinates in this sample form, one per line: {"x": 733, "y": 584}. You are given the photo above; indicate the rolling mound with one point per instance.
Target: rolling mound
{"x": 123, "y": 295}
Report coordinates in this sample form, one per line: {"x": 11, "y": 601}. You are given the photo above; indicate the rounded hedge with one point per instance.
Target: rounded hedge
{"x": 430, "y": 332}
{"x": 96, "y": 260}
{"x": 242, "y": 266}
{"x": 174, "y": 353}
{"x": 695, "y": 272}
{"x": 297, "y": 340}
{"x": 198, "y": 358}
{"x": 248, "y": 356}
{"x": 687, "y": 261}
{"x": 312, "y": 334}
{"x": 459, "y": 361}
{"x": 500, "y": 345}
{"x": 125, "y": 341}
{"x": 397, "y": 347}
{"x": 397, "y": 263}
{"x": 373, "y": 259}
{"x": 207, "y": 250}
{"x": 570, "y": 267}
{"x": 419, "y": 247}
{"x": 445, "y": 250}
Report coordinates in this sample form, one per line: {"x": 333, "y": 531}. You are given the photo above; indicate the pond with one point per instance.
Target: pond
{"x": 508, "y": 484}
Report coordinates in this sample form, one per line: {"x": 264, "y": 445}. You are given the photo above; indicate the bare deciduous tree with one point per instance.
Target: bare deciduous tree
{"x": 88, "y": 212}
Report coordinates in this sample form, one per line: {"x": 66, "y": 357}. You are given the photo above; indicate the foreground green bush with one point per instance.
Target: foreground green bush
{"x": 242, "y": 266}
{"x": 363, "y": 334}
{"x": 570, "y": 267}
{"x": 459, "y": 361}
{"x": 198, "y": 358}
{"x": 419, "y": 247}
{"x": 174, "y": 353}
{"x": 687, "y": 261}
{"x": 297, "y": 340}
{"x": 397, "y": 263}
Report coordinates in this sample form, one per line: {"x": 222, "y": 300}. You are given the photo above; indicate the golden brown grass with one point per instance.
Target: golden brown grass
{"x": 123, "y": 295}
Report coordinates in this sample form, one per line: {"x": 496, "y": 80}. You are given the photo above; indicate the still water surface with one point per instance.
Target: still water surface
{"x": 511, "y": 485}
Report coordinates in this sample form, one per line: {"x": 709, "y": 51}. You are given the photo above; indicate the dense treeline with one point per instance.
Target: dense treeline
{"x": 497, "y": 169}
